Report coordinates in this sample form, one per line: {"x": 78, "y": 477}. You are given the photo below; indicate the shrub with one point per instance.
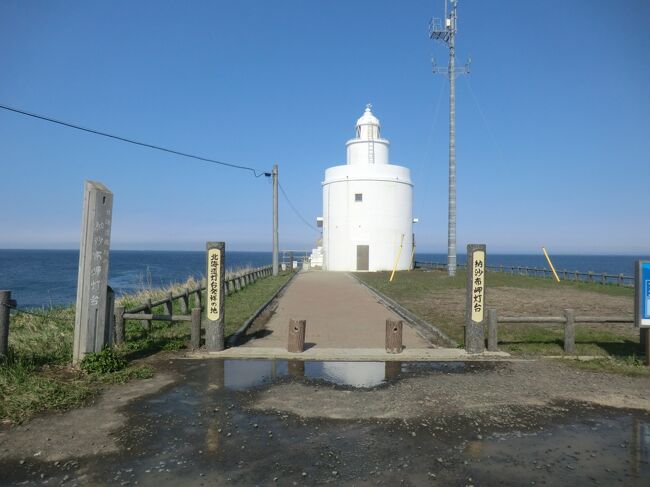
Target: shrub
{"x": 104, "y": 362}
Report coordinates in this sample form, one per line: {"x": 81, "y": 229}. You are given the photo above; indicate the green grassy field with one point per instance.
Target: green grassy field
{"x": 37, "y": 375}
{"x": 440, "y": 300}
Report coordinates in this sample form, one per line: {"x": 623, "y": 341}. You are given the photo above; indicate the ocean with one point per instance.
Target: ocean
{"x": 49, "y": 277}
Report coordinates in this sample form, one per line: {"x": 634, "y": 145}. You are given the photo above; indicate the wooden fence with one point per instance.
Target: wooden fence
{"x": 565, "y": 275}
{"x": 145, "y": 312}
{"x": 569, "y": 320}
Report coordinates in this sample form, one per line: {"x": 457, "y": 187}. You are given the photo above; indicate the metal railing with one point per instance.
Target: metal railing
{"x": 565, "y": 275}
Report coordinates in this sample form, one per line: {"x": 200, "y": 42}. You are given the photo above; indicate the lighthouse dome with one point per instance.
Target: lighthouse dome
{"x": 368, "y": 125}
{"x": 368, "y": 118}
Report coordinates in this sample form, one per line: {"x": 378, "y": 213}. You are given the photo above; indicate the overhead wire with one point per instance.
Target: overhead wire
{"x": 255, "y": 172}
{"x": 484, "y": 118}
{"x": 295, "y": 210}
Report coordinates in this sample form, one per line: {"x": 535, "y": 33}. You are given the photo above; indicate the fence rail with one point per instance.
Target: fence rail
{"x": 565, "y": 275}
{"x": 144, "y": 312}
{"x": 234, "y": 283}
{"x": 569, "y": 320}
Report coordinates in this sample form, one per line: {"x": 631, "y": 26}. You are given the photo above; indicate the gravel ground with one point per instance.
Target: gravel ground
{"x": 502, "y": 423}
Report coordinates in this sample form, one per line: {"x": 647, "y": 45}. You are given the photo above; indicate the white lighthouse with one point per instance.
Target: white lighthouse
{"x": 367, "y": 206}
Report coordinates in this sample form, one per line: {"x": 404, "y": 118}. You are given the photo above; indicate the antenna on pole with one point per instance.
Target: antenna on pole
{"x": 446, "y": 34}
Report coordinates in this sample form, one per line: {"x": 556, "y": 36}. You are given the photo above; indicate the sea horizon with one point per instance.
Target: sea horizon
{"x": 47, "y": 277}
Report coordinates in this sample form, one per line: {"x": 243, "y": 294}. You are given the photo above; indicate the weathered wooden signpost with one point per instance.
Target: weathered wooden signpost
{"x": 92, "y": 328}
{"x": 214, "y": 332}
{"x": 475, "y": 309}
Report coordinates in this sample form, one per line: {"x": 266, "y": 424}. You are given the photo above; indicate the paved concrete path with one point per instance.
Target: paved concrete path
{"x": 357, "y": 355}
{"x": 340, "y": 313}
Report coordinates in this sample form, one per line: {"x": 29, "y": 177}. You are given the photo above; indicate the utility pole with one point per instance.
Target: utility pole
{"x": 275, "y": 219}
{"x": 447, "y": 35}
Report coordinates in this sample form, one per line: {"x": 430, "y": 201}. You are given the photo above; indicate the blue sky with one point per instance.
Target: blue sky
{"x": 553, "y": 123}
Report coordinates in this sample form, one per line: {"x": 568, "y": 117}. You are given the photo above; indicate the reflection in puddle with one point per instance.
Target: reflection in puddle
{"x": 242, "y": 374}
{"x": 601, "y": 448}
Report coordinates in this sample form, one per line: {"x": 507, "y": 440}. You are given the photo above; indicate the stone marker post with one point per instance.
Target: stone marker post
{"x": 216, "y": 259}
{"x": 90, "y": 331}
{"x": 475, "y": 309}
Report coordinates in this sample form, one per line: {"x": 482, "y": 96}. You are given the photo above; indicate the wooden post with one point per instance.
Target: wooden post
{"x": 392, "y": 369}
{"x": 620, "y": 279}
{"x": 91, "y": 310}
{"x": 5, "y": 307}
{"x": 196, "y": 328}
{"x": 394, "y": 336}
{"x": 475, "y": 304}
{"x": 569, "y": 331}
{"x": 109, "y": 330}
{"x": 645, "y": 333}
{"x": 215, "y": 261}
{"x": 603, "y": 278}
{"x": 297, "y": 330}
{"x": 296, "y": 368}
{"x": 197, "y": 298}
{"x": 169, "y": 306}
{"x": 185, "y": 301}
{"x": 149, "y": 311}
{"x": 492, "y": 330}
{"x": 120, "y": 332}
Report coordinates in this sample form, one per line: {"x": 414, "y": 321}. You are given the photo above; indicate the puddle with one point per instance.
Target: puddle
{"x": 242, "y": 374}
{"x": 598, "y": 450}
{"x": 202, "y": 431}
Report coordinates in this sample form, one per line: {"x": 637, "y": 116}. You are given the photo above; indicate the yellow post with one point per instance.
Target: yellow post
{"x": 551, "y": 264}
{"x": 399, "y": 253}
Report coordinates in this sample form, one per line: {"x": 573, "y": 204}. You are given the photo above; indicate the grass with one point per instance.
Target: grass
{"x": 630, "y": 365}
{"x": 440, "y": 300}
{"x": 37, "y": 376}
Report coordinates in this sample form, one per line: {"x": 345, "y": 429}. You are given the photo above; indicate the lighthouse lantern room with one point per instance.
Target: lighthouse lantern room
{"x": 367, "y": 206}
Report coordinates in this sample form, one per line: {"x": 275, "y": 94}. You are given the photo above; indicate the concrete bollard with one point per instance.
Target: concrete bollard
{"x": 296, "y": 336}
{"x": 394, "y": 336}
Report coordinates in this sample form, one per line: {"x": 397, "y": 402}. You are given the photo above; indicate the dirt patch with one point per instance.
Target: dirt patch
{"x": 81, "y": 432}
{"x": 521, "y": 423}
{"x": 495, "y": 391}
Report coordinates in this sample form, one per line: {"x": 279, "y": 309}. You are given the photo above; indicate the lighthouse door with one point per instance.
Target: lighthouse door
{"x": 362, "y": 257}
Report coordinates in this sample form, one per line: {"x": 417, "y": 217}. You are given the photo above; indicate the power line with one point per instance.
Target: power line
{"x": 135, "y": 142}
{"x": 485, "y": 121}
{"x": 296, "y": 211}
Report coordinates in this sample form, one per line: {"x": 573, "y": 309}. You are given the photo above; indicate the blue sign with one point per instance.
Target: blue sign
{"x": 645, "y": 291}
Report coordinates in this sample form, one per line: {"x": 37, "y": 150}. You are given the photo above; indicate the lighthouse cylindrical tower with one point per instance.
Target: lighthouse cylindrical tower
{"x": 367, "y": 206}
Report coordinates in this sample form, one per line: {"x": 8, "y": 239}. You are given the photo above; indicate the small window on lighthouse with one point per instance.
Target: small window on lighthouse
{"x": 358, "y": 197}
